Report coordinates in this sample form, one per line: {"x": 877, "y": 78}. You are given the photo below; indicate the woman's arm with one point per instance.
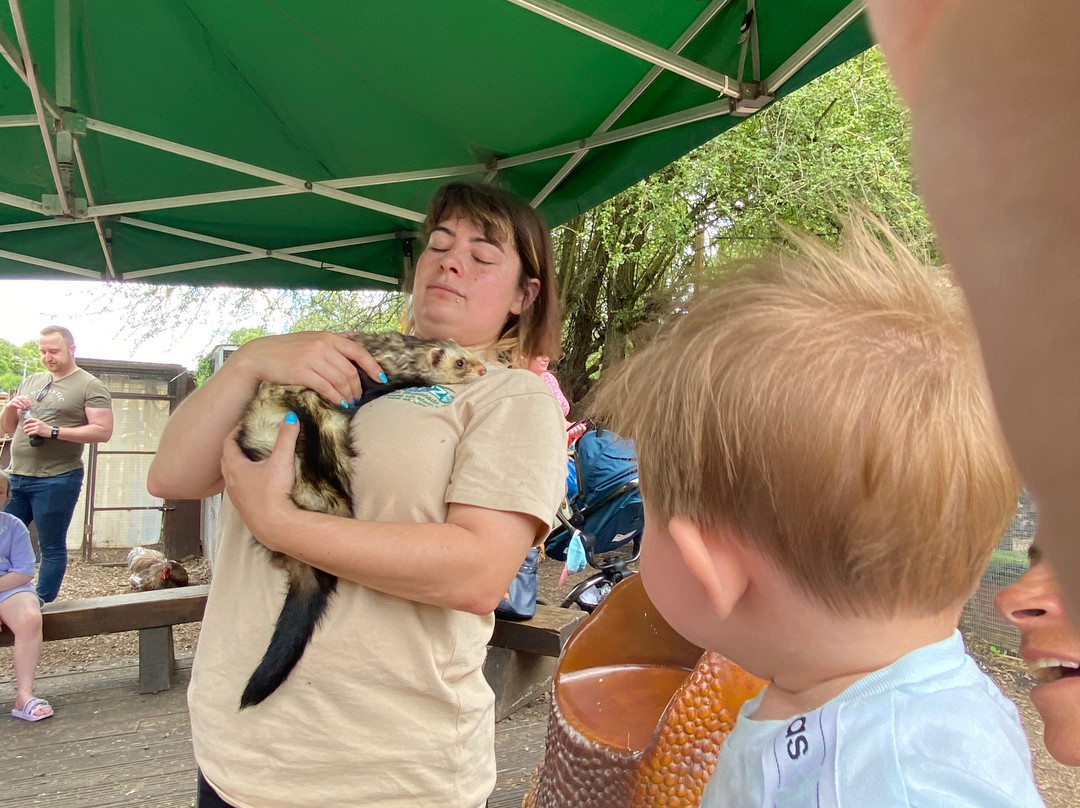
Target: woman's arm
{"x": 424, "y": 562}
{"x": 1000, "y": 182}
{"x": 188, "y": 461}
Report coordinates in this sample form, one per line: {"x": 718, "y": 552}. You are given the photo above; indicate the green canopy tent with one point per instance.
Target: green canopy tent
{"x": 295, "y": 144}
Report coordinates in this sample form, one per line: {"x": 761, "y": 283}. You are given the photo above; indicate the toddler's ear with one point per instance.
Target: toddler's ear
{"x": 714, "y": 561}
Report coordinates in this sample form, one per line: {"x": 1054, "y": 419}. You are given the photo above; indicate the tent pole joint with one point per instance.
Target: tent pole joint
{"x": 752, "y": 101}
{"x": 50, "y": 206}
{"x": 72, "y": 122}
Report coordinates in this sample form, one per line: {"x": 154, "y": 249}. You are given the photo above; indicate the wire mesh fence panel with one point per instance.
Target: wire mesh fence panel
{"x": 980, "y": 621}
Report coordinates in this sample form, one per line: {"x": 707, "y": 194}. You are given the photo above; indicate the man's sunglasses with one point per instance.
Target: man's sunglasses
{"x": 41, "y": 393}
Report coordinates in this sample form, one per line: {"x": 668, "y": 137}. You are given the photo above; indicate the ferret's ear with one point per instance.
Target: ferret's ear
{"x": 436, "y": 357}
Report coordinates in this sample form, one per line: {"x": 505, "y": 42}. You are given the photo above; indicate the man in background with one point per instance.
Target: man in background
{"x": 52, "y": 415}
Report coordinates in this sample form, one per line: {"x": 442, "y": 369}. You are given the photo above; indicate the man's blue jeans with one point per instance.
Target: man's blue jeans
{"x": 49, "y": 502}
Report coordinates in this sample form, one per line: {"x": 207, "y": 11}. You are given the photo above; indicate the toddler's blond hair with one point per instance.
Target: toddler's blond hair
{"x": 832, "y": 409}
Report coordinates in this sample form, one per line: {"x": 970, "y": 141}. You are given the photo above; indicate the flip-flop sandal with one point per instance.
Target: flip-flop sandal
{"x": 27, "y": 712}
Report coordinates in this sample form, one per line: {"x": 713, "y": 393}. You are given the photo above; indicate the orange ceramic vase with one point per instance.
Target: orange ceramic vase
{"x": 638, "y": 713}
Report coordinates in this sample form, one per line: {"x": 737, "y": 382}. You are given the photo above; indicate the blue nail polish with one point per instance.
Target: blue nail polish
{"x": 356, "y": 403}
{"x": 382, "y": 378}
{"x": 290, "y": 417}
{"x": 344, "y": 404}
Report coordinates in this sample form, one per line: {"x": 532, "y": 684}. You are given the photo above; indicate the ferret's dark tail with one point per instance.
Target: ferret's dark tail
{"x": 296, "y": 624}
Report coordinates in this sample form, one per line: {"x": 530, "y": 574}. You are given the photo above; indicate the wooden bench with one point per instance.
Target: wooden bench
{"x": 152, "y": 614}
{"x": 518, "y": 668}
{"x": 522, "y": 656}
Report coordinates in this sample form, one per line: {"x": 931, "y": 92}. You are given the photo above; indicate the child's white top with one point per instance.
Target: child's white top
{"x": 931, "y": 730}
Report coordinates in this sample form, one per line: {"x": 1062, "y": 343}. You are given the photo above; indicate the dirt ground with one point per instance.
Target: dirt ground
{"x": 1060, "y": 785}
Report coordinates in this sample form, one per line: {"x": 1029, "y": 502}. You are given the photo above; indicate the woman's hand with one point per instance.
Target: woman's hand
{"x": 261, "y": 490}
{"x": 323, "y": 361}
{"x": 188, "y": 460}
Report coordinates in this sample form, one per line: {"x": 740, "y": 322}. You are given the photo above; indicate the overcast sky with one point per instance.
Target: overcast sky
{"x": 27, "y": 306}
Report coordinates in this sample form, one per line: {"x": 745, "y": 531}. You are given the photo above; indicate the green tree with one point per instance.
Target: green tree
{"x": 801, "y": 163}
{"x": 17, "y": 362}
{"x": 348, "y": 311}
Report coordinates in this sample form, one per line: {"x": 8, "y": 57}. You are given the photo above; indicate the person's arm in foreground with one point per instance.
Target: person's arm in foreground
{"x": 188, "y": 461}
{"x": 464, "y": 563}
{"x": 994, "y": 89}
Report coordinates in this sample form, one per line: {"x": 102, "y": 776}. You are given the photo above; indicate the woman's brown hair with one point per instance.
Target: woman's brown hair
{"x": 537, "y": 331}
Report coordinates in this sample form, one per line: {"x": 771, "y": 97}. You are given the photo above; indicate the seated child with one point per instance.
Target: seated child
{"x": 1051, "y": 646}
{"x": 20, "y": 609}
{"x": 824, "y": 480}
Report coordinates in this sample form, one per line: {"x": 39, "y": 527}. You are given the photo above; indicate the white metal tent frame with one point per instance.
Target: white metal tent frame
{"x": 60, "y": 130}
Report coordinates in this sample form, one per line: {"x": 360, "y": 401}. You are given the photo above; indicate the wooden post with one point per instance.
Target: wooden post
{"x": 156, "y": 660}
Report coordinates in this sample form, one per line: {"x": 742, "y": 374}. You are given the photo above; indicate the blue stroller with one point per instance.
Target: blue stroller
{"x": 605, "y": 510}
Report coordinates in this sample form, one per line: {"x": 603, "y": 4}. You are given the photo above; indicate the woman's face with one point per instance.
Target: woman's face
{"x": 1051, "y": 647}
{"x": 467, "y": 286}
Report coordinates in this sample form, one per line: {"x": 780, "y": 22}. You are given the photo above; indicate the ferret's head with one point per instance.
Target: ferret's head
{"x": 452, "y": 364}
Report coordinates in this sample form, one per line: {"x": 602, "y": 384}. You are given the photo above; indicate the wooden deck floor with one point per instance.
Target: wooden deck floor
{"x": 109, "y": 747}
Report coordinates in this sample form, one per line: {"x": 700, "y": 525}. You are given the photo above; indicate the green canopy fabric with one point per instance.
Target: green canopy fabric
{"x": 295, "y": 144}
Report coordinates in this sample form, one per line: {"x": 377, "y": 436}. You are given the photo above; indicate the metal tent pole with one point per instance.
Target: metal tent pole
{"x": 347, "y": 242}
{"x": 14, "y": 58}
{"x": 104, "y": 239}
{"x": 43, "y": 262}
{"x": 687, "y": 37}
{"x": 12, "y": 121}
{"x": 20, "y": 226}
{"x": 698, "y": 113}
{"x": 39, "y": 109}
{"x": 406, "y": 176}
{"x": 20, "y": 202}
{"x": 610, "y": 35}
{"x": 139, "y": 274}
{"x": 252, "y": 253}
{"x": 137, "y": 206}
{"x": 172, "y": 202}
{"x": 252, "y": 170}
{"x": 68, "y": 152}
{"x": 691, "y": 115}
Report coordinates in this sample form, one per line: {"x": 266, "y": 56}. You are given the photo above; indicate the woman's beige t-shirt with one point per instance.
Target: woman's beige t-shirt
{"x": 388, "y": 706}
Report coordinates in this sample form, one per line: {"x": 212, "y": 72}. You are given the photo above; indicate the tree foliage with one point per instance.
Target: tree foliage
{"x": 319, "y": 311}
{"x": 17, "y": 362}
{"x": 349, "y": 311}
{"x": 800, "y": 163}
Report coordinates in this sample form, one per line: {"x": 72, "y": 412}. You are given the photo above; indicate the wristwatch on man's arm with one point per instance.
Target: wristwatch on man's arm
{"x": 55, "y": 432}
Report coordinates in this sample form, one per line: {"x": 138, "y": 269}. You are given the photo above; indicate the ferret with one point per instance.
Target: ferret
{"x": 323, "y": 463}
